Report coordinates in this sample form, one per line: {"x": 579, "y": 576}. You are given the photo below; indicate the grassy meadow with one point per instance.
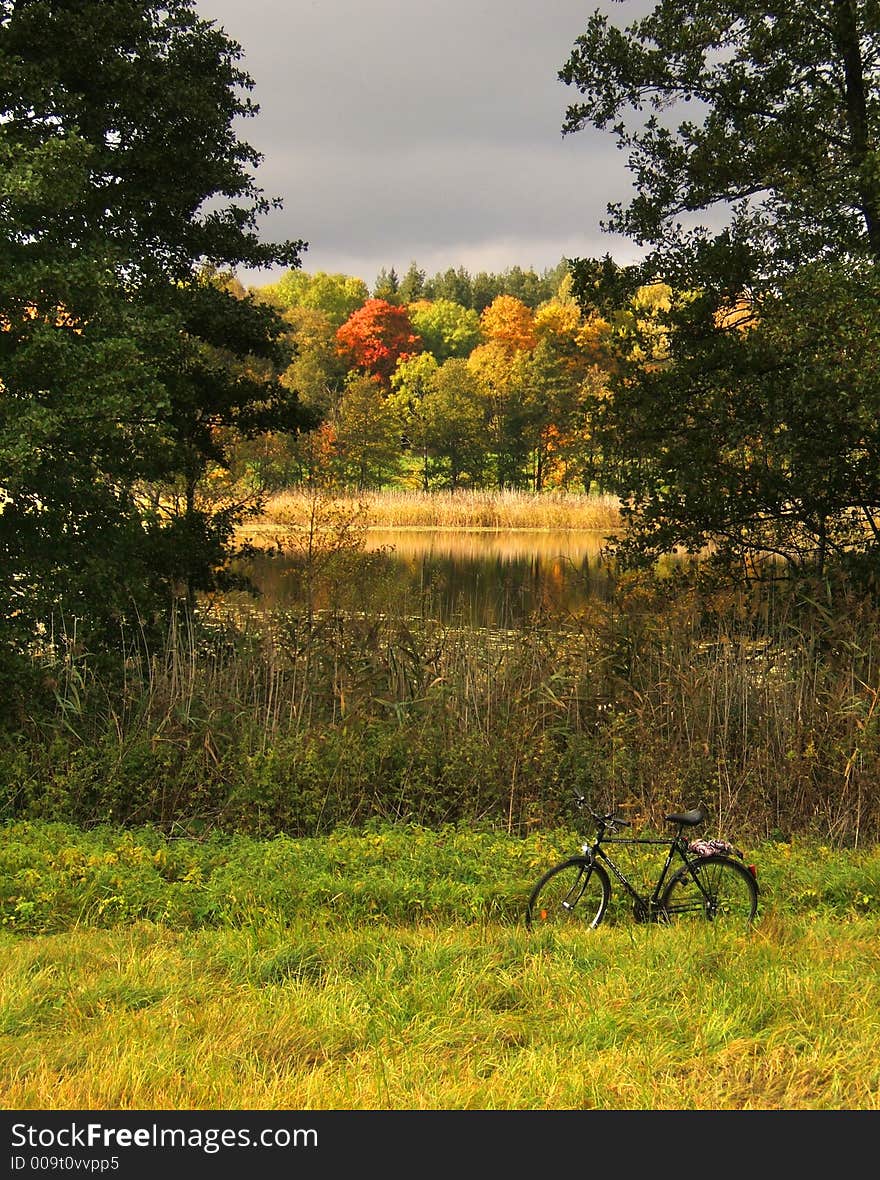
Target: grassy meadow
{"x": 388, "y": 968}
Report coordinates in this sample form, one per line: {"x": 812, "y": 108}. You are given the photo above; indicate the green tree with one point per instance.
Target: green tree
{"x": 527, "y": 286}
{"x": 412, "y": 284}
{"x": 411, "y": 384}
{"x": 451, "y": 284}
{"x": 317, "y": 371}
{"x": 766, "y": 119}
{"x": 335, "y": 295}
{"x": 447, "y": 329}
{"x": 366, "y": 435}
{"x": 387, "y": 286}
{"x": 484, "y": 288}
{"x": 456, "y": 424}
{"x": 123, "y": 360}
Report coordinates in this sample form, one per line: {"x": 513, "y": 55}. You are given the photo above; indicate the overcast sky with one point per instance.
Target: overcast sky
{"x": 425, "y": 130}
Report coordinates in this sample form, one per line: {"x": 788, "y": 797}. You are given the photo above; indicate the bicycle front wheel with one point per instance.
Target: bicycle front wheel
{"x": 716, "y": 889}
{"x": 575, "y": 892}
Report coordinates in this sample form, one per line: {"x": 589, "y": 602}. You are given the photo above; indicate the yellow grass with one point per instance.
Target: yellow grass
{"x": 499, "y": 510}
{"x": 442, "y": 1017}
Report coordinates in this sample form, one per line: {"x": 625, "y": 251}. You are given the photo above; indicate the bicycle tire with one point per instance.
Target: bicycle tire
{"x": 731, "y": 893}
{"x": 574, "y": 892}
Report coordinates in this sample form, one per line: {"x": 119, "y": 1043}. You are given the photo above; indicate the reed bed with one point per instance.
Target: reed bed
{"x": 302, "y": 722}
{"x": 462, "y": 509}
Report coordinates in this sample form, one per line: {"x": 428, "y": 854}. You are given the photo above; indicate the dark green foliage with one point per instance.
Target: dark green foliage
{"x": 123, "y": 355}
{"x": 387, "y": 286}
{"x": 745, "y": 418}
{"x": 759, "y": 439}
{"x": 765, "y": 115}
{"x": 477, "y": 291}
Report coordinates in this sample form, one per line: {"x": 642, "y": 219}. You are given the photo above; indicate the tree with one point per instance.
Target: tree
{"x": 456, "y": 424}
{"x": 781, "y": 127}
{"x": 335, "y": 295}
{"x": 452, "y": 284}
{"x": 447, "y": 329}
{"x": 411, "y": 285}
{"x": 566, "y": 368}
{"x": 775, "y": 449}
{"x": 484, "y": 288}
{"x": 502, "y": 373}
{"x": 728, "y": 441}
{"x": 122, "y": 358}
{"x": 526, "y": 285}
{"x": 387, "y": 286}
{"x": 509, "y": 322}
{"x": 412, "y": 382}
{"x": 501, "y": 364}
{"x": 317, "y": 371}
{"x": 366, "y": 435}
{"x": 376, "y": 336}
{"x": 315, "y": 377}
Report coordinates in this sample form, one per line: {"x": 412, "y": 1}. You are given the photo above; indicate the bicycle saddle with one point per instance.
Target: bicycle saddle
{"x": 689, "y": 818}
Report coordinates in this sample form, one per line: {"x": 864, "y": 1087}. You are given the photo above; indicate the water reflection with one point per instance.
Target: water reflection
{"x": 491, "y": 579}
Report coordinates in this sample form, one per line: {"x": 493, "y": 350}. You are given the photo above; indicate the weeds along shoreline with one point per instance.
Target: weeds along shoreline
{"x": 294, "y": 722}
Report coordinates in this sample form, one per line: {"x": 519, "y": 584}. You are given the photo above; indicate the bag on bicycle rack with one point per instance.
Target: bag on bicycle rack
{"x": 708, "y": 847}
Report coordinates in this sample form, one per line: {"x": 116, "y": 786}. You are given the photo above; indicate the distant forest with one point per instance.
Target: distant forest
{"x": 449, "y": 381}
{"x": 473, "y": 291}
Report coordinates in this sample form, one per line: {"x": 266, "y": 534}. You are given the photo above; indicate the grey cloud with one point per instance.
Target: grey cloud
{"x": 424, "y": 130}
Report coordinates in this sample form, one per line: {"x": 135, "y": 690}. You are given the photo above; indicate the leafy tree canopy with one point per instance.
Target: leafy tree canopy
{"x": 124, "y": 353}
{"x": 387, "y": 286}
{"x": 509, "y": 322}
{"x": 446, "y": 328}
{"x": 337, "y": 295}
{"x": 742, "y": 407}
{"x": 376, "y": 336}
{"x": 475, "y": 292}
{"x": 764, "y": 115}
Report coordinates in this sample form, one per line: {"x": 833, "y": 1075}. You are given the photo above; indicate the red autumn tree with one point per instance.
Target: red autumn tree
{"x": 376, "y": 336}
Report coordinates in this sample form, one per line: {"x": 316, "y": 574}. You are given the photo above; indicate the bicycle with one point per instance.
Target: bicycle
{"x": 711, "y": 883}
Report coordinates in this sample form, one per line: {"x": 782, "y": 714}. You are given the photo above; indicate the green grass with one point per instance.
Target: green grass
{"x": 389, "y": 969}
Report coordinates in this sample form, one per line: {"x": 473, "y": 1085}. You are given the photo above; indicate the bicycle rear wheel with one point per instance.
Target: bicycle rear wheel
{"x": 724, "y": 891}
{"x": 575, "y": 892}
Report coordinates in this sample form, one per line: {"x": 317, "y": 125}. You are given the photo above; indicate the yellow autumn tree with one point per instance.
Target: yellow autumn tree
{"x": 509, "y": 322}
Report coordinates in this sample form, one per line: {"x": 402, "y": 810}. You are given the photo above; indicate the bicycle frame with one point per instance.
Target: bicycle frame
{"x": 674, "y": 844}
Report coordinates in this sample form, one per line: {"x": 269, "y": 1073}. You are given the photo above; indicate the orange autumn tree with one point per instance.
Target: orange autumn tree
{"x": 509, "y": 322}
{"x": 375, "y": 337}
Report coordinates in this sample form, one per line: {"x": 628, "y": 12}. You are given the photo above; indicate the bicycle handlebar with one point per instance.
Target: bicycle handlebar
{"x": 606, "y": 821}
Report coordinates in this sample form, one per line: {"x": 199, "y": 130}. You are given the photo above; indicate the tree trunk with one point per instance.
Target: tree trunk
{"x": 849, "y": 46}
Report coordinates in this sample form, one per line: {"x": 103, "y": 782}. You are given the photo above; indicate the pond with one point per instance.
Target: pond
{"x": 484, "y": 577}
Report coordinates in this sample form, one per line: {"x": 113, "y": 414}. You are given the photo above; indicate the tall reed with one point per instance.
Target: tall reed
{"x": 462, "y": 509}
{"x": 653, "y": 700}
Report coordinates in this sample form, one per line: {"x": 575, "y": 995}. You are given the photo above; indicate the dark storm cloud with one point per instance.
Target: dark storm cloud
{"x": 424, "y": 131}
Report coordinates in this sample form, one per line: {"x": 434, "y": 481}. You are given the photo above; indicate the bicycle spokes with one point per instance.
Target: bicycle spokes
{"x": 575, "y": 892}
{"x": 715, "y": 889}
